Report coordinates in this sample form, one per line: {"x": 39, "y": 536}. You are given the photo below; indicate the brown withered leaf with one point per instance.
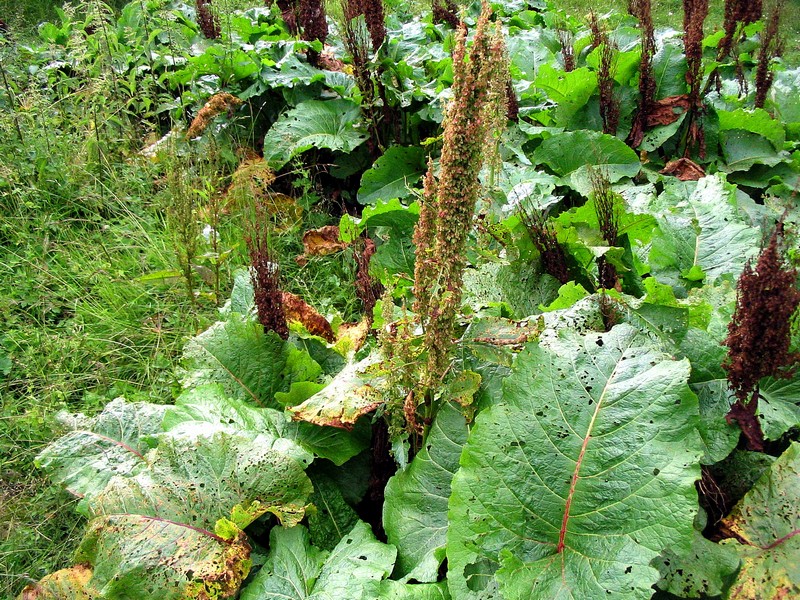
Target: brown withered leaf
{"x": 684, "y": 169}
{"x": 298, "y": 310}
{"x": 66, "y": 583}
{"x": 667, "y": 110}
{"x": 354, "y": 392}
{"x": 323, "y": 241}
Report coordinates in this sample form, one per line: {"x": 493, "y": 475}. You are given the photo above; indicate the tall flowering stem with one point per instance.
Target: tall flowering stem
{"x": 479, "y": 89}
{"x": 759, "y": 335}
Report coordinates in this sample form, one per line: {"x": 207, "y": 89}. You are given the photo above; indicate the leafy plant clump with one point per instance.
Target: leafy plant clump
{"x": 479, "y": 349}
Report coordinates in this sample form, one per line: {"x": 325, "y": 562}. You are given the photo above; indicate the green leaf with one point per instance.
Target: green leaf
{"x": 743, "y": 149}
{"x": 295, "y": 570}
{"x": 66, "y": 584}
{"x": 392, "y": 174}
{"x": 702, "y": 572}
{"x": 415, "y": 509}
{"x": 568, "y": 294}
{"x": 136, "y": 556}
{"x": 571, "y": 90}
{"x": 669, "y": 69}
{"x": 607, "y": 154}
{"x": 756, "y": 121}
{"x": 112, "y": 443}
{"x": 767, "y": 524}
{"x": 394, "y": 590}
{"x": 250, "y": 364}
{"x": 704, "y": 233}
{"x": 333, "y": 518}
{"x": 199, "y": 477}
{"x": 581, "y": 477}
{"x": 779, "y": 406}
{"x": 330, "y": 124}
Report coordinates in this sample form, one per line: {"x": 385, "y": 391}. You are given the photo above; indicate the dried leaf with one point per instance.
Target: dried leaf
{"x": 667, "y": 110}
{"x": 298, "y": 310}
{"x": 323, "y": 241}
{"x": 684, "y": 169}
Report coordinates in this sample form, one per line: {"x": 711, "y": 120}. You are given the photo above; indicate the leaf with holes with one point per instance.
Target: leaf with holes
{"x": 581, "y": 477}
{"x": 767, "y": 523}
{"x": 112, "y": 443}
{"x": 296, "y": 570}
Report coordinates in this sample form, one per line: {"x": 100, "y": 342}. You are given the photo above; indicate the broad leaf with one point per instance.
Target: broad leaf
{"x": 200, "y": 477}
{"x": 767, "y": 524}
{"x": 250, "y": 364}
{"x": 296, "y": 570}
{"x": 415, "y": 509}
{"x": 394, "y": 590}
{"x": 112, "y": 443}
{"x": 703, "y": 238}
{"x": 333, "y": 518}
{"x": 701, "y": 572}
{"x": 66, "y": 584}
{"x": 779, "y": 406}
{"x": 354, "y": 392}
{"x": 581, "y": 477}
{"x": 392, "y": 175}
{"x": 146, "y": 558}
{"x": 330, "y": 124}
{"x": 607, "y": 154}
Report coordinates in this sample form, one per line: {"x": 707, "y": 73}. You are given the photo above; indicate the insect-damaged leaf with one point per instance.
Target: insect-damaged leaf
{"x": 66, "y": 584}
{"x": 296, "y": 570}
{"x": 110, "y": 444}
{"x": 767, "y": 521}
{"x": 141, "y": 557}
{"x": 581, "y": 477}
{"x": 354, "y": 392}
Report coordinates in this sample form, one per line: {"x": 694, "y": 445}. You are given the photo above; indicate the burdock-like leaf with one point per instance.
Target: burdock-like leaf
{"x": 392, "y": 175}
{"x": 767, "y": 523}
{"x": 581, "y": 477}
{"x": 296, "y": 570}
{"x": 313, "y": 124}
{"x": 415, "y": 511}
{"x": 353, "y": 393}
{"x": 66, "y": 584}
{"x": 110, "y": 444}
{"x": 147, "y": 558}
{"x": 248, "y": 363}
{"x": 199, "y": 479}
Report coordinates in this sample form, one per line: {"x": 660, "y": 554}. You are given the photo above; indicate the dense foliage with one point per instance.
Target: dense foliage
{"x": 578, "y": 440}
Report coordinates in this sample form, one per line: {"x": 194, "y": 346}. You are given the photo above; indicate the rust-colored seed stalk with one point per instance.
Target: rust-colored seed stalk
{"x": 759, "y": 335}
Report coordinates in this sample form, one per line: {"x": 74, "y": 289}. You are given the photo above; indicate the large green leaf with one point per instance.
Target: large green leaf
{"x": 135, "y": 556}
{"x": 767, "y": 523}
{"x": 85, "y": 459}
{"x": 572, "y": 153}
{"x": 250, "y": 364}
{"x": 392, "y": 175}
{"x": 743, "y": 149}
{"x": 779, "y": 406}
{"x": 581, "y": 477}
{"x": 331, "y": 124}
{"x": 333, "y": 518}
{"x": 704, "y": 237}
{"x": 415, "y": 509}
{"x": 296, "y": 570}
{"x": 200, "y": 477}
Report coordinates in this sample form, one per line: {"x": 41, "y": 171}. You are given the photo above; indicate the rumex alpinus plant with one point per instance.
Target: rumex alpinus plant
{"x": 445, "y": 11}
{"x": 314, "y": 25}
{"x": 606, "y": 206}
{"x": 694, "y": 15}
{"x": 738, "y": 13}
{"x": 647, "y": 84}
{"x": 479, "y": 89}
{"x": 207, "y": 20}
{"x": 566, "y": 39}
{"x": 543, "y": 236}
{"x": 609, "y": 102}
{"x": 759, "y": 334}
{"x": 264, "y": 272}
{"x": 771, "y": 48}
